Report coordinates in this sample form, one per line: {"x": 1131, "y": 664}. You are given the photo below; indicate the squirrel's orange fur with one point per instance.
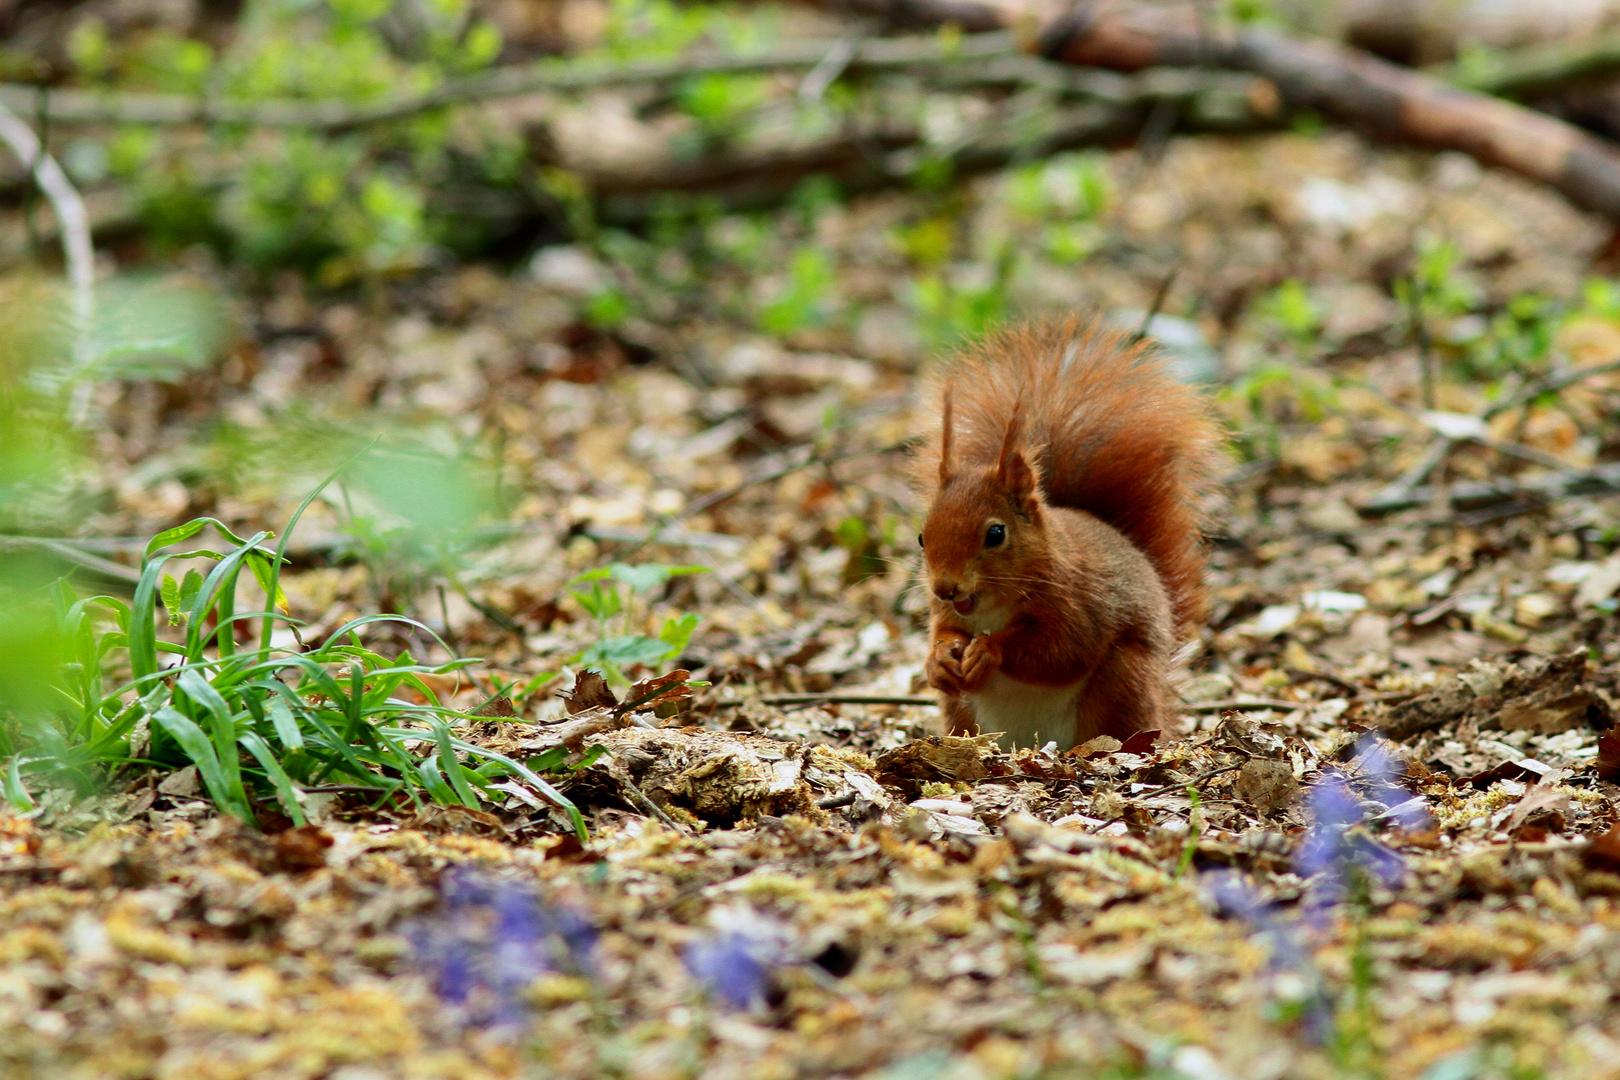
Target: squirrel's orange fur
{"x": 1062, "y": 541}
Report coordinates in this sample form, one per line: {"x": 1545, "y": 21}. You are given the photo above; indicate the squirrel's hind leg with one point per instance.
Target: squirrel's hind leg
{"x": 959, "y": 717}
{"x": 1129, "y": 692}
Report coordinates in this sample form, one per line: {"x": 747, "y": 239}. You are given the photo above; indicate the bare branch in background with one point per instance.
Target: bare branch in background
{"x": 72, "y": 218}
{"x": 87, "y": 106}
{"x": 1384, "y": 101}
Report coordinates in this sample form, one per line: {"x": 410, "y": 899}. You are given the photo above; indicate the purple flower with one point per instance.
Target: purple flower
{"x": 729, "y": 965}
{"x": 1380, "y": 772}
{"x": 737, "y": 961}
{"x": 1336, "y": 851}
{"x": 491, "y": 939}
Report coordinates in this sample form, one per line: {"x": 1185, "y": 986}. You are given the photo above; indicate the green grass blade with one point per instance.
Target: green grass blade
{"x": 273, "y": 588}
{"x": 16, "y": 794}
{"x": 432, "y": 779}
{"x": 224, "y": 736}
{"x": 332, "y": 742}
{"x": 143, "y": 620}
{"x": 549, "y": 793}
{"x": 209, "y": 595}
{"x": 286, "y": 725}
{"x": 452, "y": 767}
{"x": 285, "y": 794}
{"x": 200, "y": 750}
{"x": 174, "y": 535}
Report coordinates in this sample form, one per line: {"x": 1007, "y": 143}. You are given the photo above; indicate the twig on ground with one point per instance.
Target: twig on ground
{"x": 1538, "y": 69}
{"x": 641, "y": 799}
{"x": 1548, "y": 385}
{"x": 828, "y": 699}
{"x": 1243, "y": 703}
{"x": 1184, "y": 785}
{"x": 1301, "y": 675}
{"x": 1159, "y": 296}
{"x": 1406, "y": 492}
{"x": 1532, "y": 492}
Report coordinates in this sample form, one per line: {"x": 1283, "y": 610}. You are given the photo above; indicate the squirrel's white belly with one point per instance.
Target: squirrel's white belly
{"x": 1026, "y": 714}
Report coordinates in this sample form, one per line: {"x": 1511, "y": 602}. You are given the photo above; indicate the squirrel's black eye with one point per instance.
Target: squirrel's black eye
{"x": 919, "y": 541}
{"x": 995, "y": 534}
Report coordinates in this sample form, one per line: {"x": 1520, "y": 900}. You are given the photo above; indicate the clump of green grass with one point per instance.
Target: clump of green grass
{"x": 260, "y": 723}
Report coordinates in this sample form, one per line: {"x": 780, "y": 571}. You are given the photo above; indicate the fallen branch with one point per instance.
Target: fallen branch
{"x": 1453, "y": 430}
{"x": 1382, "y": 100}
{"x": 1529, "y": 491}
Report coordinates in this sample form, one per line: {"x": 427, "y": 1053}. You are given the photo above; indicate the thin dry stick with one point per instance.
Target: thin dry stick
{"x": 1244, "y": 703}
{"x": 1188, "y": 783}
{"x": 1159, "y": 297}
{"x": 64, "y": 550}
{"x": 898, "y": 699}
{"x": 828, "y": 699}
{"x": 1548, "y": 385}
{"x": 641, "y": 799}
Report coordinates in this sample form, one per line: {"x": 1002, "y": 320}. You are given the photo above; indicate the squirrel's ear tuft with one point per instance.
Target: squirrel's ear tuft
{"x": 1018, "y": 478}
{"x": 1013, "y": 469}
{"x": 945, "y": 440}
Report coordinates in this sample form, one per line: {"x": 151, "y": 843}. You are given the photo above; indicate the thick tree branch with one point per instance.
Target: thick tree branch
{"x": 1386, "y": 102}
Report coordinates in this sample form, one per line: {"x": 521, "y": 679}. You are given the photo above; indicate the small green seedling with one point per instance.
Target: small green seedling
{"x": 607, "y": 595}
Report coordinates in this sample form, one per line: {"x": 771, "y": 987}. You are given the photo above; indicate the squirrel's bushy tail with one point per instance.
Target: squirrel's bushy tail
{"x": 1112, "y": 430}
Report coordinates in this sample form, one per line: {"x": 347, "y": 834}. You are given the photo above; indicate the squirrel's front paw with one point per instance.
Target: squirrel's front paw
{"x": 943, "y": 668}
{"x": 980, "y": 660}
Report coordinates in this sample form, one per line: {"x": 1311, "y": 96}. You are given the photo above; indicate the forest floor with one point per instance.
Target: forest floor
{"x": 1379, "y": 846}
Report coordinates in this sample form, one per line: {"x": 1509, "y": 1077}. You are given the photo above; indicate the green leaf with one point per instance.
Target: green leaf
{"x": 263, "y": 568}
{"x": 632, "y": 649}
{"x": 534, "y": 685}
{"x": 601, "y": 604}
{"x": 175, "y": 535}
{"x": 644, "y": 576}
{"x": 556, "y": 759}
{"x": 169, "y": 590}
{"x": 199, "y": 690}
{"x": 433, "y": 780}
{"x": 677, "y": 633}
{"x": 16, "y": 794}
{"x": 190, "y": 587}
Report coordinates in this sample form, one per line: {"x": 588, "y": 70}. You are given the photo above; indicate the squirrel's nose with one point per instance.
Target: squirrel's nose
{"x": 946, "y": 591}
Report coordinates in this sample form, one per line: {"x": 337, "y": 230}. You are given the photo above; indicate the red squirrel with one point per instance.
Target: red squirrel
{"x": 1063, "y": 542}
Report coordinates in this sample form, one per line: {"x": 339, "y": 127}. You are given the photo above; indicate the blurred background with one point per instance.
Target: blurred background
{"x": 371, "y": 369}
